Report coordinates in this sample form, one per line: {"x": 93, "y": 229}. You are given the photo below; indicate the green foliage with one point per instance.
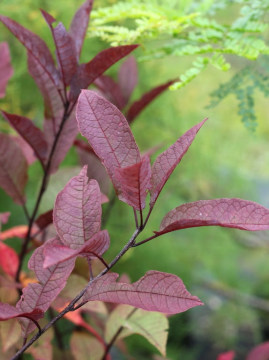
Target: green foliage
{"x": 192, "y": 28}
{"x": 242, "y": 85}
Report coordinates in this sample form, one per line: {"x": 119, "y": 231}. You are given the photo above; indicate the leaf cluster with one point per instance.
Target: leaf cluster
{"x": 74, "y": 228}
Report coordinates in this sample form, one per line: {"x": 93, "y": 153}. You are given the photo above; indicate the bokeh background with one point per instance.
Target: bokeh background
{"x": 228, "y": 269}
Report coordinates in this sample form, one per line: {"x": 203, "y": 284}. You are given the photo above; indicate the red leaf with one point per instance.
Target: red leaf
{"x": 40, "y": 65}
{"x": 9, "y": 259}
{"x": 168, "y": 160}
{"x": 155, "y": 291}
{"x": 87, "y": 73}
{"x": 79, "y": 200}
{"x": 65, "y": 48}
{"x": 79, "y": 25}
{"x": 6, "y": 70}
{"x": 128, "y": 77}
{"x": 139, "y": 105}
{"x": 98, "y": 244}
{"x": 30, "y": 133}
{"x": 47, "y": 85}
{"x": 260, "y": 352}
{"x": 107, "y": 131}
{"x": 232, "y": 213}
{"x": 13, "y": 169}
{"x": 65, "y": 141}
{"x": 35, "y": 46}
{"x": 52, "y": 281}
{"x": 110, "y": 90}
{"x": 134, "y": 183}
{"x": 229, "y": 355}
{"x": 10, "y": 312}
{"x": 44, "y": 220}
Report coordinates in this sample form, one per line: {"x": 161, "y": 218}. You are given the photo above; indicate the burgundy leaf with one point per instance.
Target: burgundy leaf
{"x": 107, "y": 131}
{"x": 65, "y": 48}
{"x": 4, "y": 217}
{"x": 168, "y": 160}
{"x": 9, "y": 259}
{"x": 134, "y": 183}
{"x": 44, "y": 220}
{"x": 13, "y": 169}
{"x": 10, "y": 312}
{"x": 79, "y": 25}
{"x": 260, "y": 352}
{"x": 65, "y": 140}
{"x": 139, "y": 105}
{"x": 30, "y": 133}
{"x": 98, "y": 244}
{"x": 40, "y": 65}
{"x": 87, "y": 73}
{"x": 155, "y": 291}
{"x": 35, "y": 46}
{"x": 232, "y": 213}
{"x": 6, "y": 70}
{"x": 128, "y": 77}
{"x": 229, "y": 355}
{"x": 80, "y": 200}
{"x": 53, "y": 101}
{"x": 52, "y": 281}
{"x": 110, "y": 90}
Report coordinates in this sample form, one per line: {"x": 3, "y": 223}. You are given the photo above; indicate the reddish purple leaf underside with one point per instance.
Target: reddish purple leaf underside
{"x": 51, "y": 282}
{"x": 168, "y": 160}
{"x": 13, "y": 169}
{"x": 139, "y": 105}
{"x": 96, "y": 246}
{"x": 79, "y": 25}
{"x": 134, "y": 182}
{"x": 35, "y": 46}
{"x": 107, "y": 131}
{"x": 155, "y": 291}
{"x": 65, "y": 48}
{"x": 87, "y": 73}
{"x": 232, "y": 213}
{"x": 80, "y": 200}
{"x": 30, "y": 133}
{"x": 9, "y": 312}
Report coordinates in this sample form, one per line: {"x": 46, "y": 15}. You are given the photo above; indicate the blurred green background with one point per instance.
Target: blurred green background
{"x": 227, "y": 269}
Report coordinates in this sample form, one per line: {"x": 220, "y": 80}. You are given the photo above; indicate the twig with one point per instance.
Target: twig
{"x": 42, "y": 190}
{"x": 34, "y": 321}
{"x": 135, "y": 217}
{"x": 99, "y": 258}
{"x": 146, "y": 240}
{"x": 71, "y": 307}
{"x": 58, "y": 335}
